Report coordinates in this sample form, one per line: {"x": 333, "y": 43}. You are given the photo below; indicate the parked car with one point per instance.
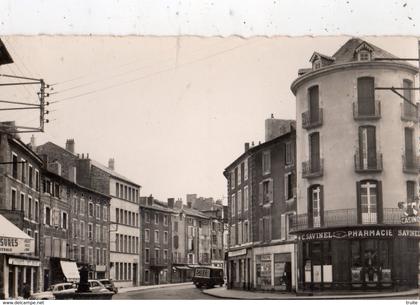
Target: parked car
{"x": 208, "y": 277}
{"x": 97, "y": 286}
{"x": 109, "y": 284}
{"x": 49, "y": 294}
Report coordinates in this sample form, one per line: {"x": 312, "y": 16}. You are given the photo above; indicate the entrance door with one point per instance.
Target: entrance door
{"x": 135, "y": 274}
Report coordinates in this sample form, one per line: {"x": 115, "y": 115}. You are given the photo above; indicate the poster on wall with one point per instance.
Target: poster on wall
{"x": 317, "y": 273}
{"x": 327, "y": 272}
{"x": 356, "y": 274}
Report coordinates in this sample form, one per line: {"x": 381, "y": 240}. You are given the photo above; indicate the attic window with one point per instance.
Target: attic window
{"x": 364, "y": 55}
{"x": 316, "y": 64}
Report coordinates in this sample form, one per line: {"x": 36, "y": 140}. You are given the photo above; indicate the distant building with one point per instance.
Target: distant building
{"x": 156, "y": 241}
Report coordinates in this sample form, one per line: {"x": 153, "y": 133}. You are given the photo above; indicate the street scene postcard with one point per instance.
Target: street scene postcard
{"x": 192, "y": 168}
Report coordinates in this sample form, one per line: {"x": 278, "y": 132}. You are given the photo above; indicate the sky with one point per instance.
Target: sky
{"x": 174, "y": 112}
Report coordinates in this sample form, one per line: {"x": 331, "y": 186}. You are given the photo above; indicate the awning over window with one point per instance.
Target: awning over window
{"x": 70, "y": 271}
{"x": 13, "y": 240}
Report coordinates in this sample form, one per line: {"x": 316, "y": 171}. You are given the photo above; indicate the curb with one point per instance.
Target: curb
{"x": 315, "y": 297}
{"x": 150, "y": 287}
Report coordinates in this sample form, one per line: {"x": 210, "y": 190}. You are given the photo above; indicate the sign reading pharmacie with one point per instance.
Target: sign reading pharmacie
{"x": 358, "y": 233}
{"x": 13, "y": 245}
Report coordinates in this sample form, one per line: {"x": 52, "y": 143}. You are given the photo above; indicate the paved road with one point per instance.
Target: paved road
{"x": 184, "y": 292}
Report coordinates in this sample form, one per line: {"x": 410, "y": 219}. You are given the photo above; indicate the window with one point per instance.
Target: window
{"x": 364, "y": 55}
{"x": 117, "y": 215}
{"x": 175, "y": 226}
{"x": 64, "y": 224}
{"x": 74, "y": 228}
{"x": 146, "y": 217}
{"x": 368, "y": 191}
{"x": 14, "y": 165}
{"x": 266, "y": 192}
{"x": 288, "y": 151}
{"x": 366, "y": 96}
{"x": 165, "y": 237}
{"x": 239, "y": 199}
{"x": 288, "y": 186}
{"x": 30, "y": 178}
{"x": 315, "y": 206}
{"x": 117, "y": 242}
{"x": 125, "y": 217}
{"x": 90, "y": 231}
{"x": 266, "y": 162}
{"x": 91, "y": 210}
{"x": 313, "y": 104}
{"x": 104, "y": 258}
{"x": 82, "y": 230}
{"x": 316, "y": 64}
{"x": 147, "y": 235}
{"x": 232, "y": 235}
{"x": 246, "y": 169}
{"x": 125, "y": 243}
{"x": 233, "y": 205}
{"x": 47, "y": 246}
{"x": 14, "y": 199}
{"x": 265, "y": 228}
{"x": 239, "y": 174}
{"x": 165, "y": 220}
{"x": 411, "y": 191}
{"x": 90, "y": 255}
{"x": 37, "y": 180}
{"x": 104, "y": 213}
{"x": 104, "y": 236}
{"x": 23, "y": 170}
{"x": 82, "y": 206}
{"x": 409, "y": 150}
{"x": 125, "y": 192}
{"x": 82, "y": 254}
{"x": 121, "y": 191}
{"x": 56, "y": 190}
{"x": 232, "y": 179}
{"x": 129, "y": 218}
{"x": 165, "y": 254}
{"x": 147, "y": 255}
{"x": 98, "y": 211}
{"x": 367, "y": 147}
{"x": 22, "y": 201}
{"x": 47, "y": 216}
{"x": 28, "y": 213}
{"x": 156, "y": 219}
{"x": 98, "y": 256}
{"x": 117, "y": 189}
{"x": 36, "y": 212}
{"x": 156, "y": 240}
{"x": 98, "y": 233}
{"x": 157, "y": 254}
{"x": 246, "y": 232}
{"x": 240, "y": 233}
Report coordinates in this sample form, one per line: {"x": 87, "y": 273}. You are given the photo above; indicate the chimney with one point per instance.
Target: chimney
{"x": 150, "y": 200}
{"x": 171, "y": 202}
{"x": 33, "y": 143}
{"x": 70, "y": 145}
{"x": 111, "y": 163}
{"x": 246, "y": 146}
{"x": 189, "y": 204}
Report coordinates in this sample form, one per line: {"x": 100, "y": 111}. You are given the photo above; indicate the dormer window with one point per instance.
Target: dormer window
{"x": 364, "y": 56}
{"x": 317, "y": 64}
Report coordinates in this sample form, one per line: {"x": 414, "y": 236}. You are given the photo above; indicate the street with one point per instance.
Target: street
{"x": 184, "y": 292}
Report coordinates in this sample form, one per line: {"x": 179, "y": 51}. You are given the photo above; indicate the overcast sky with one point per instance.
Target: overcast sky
{"x": 173, "y": 112}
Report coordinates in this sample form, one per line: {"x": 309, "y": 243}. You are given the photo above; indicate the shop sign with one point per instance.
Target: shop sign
{"x": 23, "y": 262}
{"x": 13, "y": 245}
{"x": 355, "y": 233}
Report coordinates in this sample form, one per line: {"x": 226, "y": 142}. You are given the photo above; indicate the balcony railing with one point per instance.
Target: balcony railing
{"x": 359, "y": 114}
{"x": 312, "y": 169}
{"x": 312, "y": 120}
{"x": 369, "y": 166}
{"x": 410, "y": 164}
{"x": 409, "y": 112}
{"x": 346, "y": 217}
{"x": 158, "y": 261}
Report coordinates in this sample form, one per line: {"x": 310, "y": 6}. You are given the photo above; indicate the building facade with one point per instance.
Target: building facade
{"x": 357, "y": 171}
{"x": 156, "y": 241}
{"x": 261, "y": 201}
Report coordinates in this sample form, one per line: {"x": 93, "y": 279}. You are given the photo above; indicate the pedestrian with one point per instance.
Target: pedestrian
{"x": 26, "y": 291}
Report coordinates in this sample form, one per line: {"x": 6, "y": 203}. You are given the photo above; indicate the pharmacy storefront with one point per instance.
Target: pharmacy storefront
{"x": 15, "y": 269}
{"x": 274, "y": 267}
{"x": 369, "y": 258}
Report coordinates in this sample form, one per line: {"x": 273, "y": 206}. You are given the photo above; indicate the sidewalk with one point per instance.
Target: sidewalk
{"x": 224, "y": 293}
{"x": 138, "y": 288}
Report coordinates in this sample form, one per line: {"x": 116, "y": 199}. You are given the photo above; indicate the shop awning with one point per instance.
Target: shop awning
{"x": 70, "y": 271}
{"x": 13, "y": 240}
{"x": 182, "y": 267}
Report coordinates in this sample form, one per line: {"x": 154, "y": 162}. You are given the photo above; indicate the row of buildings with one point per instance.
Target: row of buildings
{"x": 330, "y": 202}
{"x": 62, "y": 211}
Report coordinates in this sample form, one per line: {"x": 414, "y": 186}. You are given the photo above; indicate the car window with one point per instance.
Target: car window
{"x": 105, "y": 282}
{"x": 59, "y": 288}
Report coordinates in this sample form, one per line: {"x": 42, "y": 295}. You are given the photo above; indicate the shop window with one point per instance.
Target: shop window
{"x": 263, "y": 271}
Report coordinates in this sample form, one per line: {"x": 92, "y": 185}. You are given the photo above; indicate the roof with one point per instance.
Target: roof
{"x": 112, "y": 172}
{"x": 192, "y": 212}
{"x": 321, "y": 55}
{"x": 5, "y": 57}
{"x": 156, "y": 207}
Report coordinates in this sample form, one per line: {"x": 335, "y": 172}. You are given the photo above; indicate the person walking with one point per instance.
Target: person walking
{"x": 26, "y": 291}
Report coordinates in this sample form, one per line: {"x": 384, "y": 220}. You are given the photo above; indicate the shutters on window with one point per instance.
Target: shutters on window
{"x": 366, "y": 96}
{"x": 314, "y": 104}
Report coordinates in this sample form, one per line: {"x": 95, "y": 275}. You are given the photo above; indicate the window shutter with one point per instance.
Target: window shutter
{"x": 310, "y": 208}
{"x": 380, "y": 203}
{"x": 286, "y": 187}
{"x": 260, "y": 193}
{"x": 260, "y": 229}
{"x": 270, "y": 190}
{"x": 321, "y": 204}
{"x": 359, "y": 208}
{"x": 283, "y": 226}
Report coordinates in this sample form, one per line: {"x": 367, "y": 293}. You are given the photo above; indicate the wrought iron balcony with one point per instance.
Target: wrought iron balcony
{"x": 374, "y": 114}
{"x": 347, "y": 217}
{"x": 370, "y": 166}
{"x": 409, "y": 112}
{"x": 312, "y": 169}
{"x": 312, "y": 120}
{"x": 410, "y": 164}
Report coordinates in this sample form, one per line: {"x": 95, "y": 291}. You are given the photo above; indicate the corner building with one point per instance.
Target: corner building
{"x": 356, "y": 160}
